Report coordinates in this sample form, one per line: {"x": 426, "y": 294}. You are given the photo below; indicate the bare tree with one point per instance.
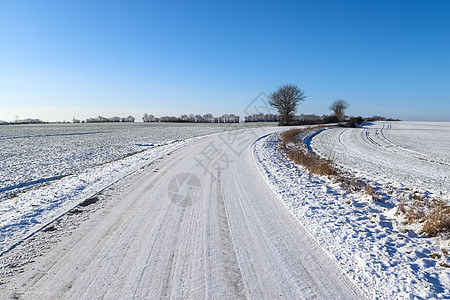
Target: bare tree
{"x": 184, "y": 118}
{"x": 285, "y": 100}
{"x": 338, "y": 107}
{"x": 208, "y": 118}
{"x": 148, "y": 118}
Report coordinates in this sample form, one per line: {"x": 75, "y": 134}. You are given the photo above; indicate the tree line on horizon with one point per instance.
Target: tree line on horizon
{"x": 24, "y": 121}
{"x": 101, "y": 119}
{"x": 295, "y": 119}
{"x": 207, "y": 118}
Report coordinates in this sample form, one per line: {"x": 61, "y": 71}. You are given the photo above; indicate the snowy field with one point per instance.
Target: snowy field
{"x": 414, "y": 155}
{"x": 46, "y": 170}
{"x": 34, "y": 154}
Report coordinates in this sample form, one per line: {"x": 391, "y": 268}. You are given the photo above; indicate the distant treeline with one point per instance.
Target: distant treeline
{"x": 295, "y": 120}
{"x": 207, "y": 118}
{"x": 227, "y": 118}
{"x": 24, "y": 121}
{"x": 378, "y": 118}
{"x": 314, "y": 119}
{"x": 101, "y": 119}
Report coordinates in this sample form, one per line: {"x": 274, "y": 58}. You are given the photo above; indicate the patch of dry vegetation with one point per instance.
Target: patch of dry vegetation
{"x": 437, "y": 221}
{"x": 434, "y": 215}
{"x": 369, "y": 190}
{"x": 297, "y": 152}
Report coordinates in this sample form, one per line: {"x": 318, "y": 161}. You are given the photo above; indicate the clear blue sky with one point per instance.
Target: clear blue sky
{"x": 63, "y": 59}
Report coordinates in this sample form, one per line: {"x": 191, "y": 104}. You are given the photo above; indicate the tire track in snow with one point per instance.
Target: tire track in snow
{"x": 398, "y": 149}
{"x": 235, "y": 283}
{"x": 391, "y": 152}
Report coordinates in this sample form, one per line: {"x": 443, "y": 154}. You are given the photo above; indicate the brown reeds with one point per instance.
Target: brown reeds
{"x": 299, "y": 155}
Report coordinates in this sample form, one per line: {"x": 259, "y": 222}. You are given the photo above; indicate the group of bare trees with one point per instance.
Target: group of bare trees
{"x": 262, "y": 118}
{"x": 295, "y": 119}
{"x": 28, "y": 121}
{"x": 207, "y": 118}
{"x": 287, "y": 98}
{"x": 101, "y": 119}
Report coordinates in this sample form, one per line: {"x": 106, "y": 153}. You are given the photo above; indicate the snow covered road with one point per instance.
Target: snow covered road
{"x": 200, "y": 223}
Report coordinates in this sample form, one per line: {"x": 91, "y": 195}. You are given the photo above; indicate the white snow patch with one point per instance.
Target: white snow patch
{"x": 31, "y": 210}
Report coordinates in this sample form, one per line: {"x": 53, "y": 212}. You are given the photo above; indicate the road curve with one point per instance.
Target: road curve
{"x": 201, "y": 224}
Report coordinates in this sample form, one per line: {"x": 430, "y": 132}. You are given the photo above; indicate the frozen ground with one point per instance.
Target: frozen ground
{"x": 414, "y": 155}
{"x": 201, "y": 223}
{"x": 31, "y": 210}
{"x": 363, "y": 235}
{"x": 46, "y": 170}
{"x": 198, "y": 220}
{"x": 32, "y": 155}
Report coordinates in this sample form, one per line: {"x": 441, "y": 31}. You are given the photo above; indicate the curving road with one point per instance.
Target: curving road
{"x": 201, "y": 223}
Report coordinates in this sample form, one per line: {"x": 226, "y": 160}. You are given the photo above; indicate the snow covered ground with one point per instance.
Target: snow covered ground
{"x": 45, "y": 170}
{"x": 196, "y": 219}
{"x": 32, "y": 155}
{"x": 201, "y": 223}
{"x": 414, "y": 155}
{"x": 29, "y": 211}
{"x": 381, "y": 255}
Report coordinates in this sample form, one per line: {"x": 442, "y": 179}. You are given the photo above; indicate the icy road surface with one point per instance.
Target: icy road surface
{"x": 200, "y": 223}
